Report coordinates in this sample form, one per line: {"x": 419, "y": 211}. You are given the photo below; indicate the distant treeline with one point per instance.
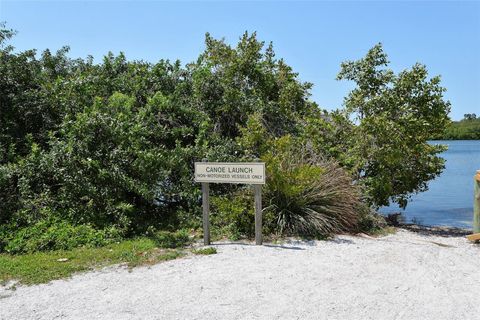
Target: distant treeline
{"x": 466, "y": 129}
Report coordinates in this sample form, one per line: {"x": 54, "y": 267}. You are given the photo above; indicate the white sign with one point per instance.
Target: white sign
{"x": 230, "y": 172}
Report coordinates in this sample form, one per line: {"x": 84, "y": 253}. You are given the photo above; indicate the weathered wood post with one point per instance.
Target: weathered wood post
{"x": 206, "y": 209}
{"x": 257, "y": 188}
{"x": 476, "y": 203}
{"x": 258, "y": 214}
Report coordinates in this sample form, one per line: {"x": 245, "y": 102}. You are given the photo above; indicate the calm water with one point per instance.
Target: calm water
{"x": 449, "y": 200}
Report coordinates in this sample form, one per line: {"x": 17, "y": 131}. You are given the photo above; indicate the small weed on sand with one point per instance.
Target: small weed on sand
{"x": 205, "y": 251}
{"x": 381, "y": 232}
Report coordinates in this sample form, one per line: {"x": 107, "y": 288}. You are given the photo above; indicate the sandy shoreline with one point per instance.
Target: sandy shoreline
{"x": 402, "y": 276}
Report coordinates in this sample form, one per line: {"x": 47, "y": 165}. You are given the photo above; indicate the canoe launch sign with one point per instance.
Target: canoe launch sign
{"x": 230, "y": 172}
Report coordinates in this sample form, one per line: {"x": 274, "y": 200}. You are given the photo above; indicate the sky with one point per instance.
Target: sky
{"x": 313, "y": 37}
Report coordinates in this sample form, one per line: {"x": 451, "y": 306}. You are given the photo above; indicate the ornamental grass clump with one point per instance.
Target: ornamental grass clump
{"x": 308, "y": 195}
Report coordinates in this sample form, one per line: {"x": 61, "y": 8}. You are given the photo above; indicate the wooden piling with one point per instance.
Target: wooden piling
{"x": 476, "y": 203}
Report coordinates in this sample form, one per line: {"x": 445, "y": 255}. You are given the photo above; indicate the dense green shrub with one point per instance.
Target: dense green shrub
{"x": 168, "y": 239}
{"x": 232, "y": 215}
{"x": 54, "y": 234}
{"x": 113, "y": 144}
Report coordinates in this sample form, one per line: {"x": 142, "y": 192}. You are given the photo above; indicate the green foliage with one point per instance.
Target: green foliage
{"x": 395, "y": 115}
{"x": 111, "y": 145}
{"x": 232, "y": 83}
{"x": 54, "y": 234}
{"x": 129, "y": 171}
{"x": 205, "y": 251}
{"x": 232, "y": 215}
{"x": 167, "y": 239}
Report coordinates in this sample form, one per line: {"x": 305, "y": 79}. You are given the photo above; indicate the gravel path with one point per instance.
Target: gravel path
{"x": 401, "y": 276}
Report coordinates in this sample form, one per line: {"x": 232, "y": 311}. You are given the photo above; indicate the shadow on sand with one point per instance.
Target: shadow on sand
{"x": 436, "y": 231}
{"x": 268, "y": 245}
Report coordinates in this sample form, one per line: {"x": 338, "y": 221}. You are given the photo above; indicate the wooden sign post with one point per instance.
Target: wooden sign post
{"x": 258, "y": 214}
{"x": 231, "y": 172}
{"x": 206, "y": 209}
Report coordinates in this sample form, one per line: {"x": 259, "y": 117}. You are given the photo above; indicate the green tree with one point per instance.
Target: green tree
{"x": 27, "y": 113}
{"x": 394, "y": 116}
{"x": 230, "y": 83}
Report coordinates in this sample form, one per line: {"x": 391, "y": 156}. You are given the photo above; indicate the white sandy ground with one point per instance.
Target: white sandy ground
{"x": 401, "y": 276}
